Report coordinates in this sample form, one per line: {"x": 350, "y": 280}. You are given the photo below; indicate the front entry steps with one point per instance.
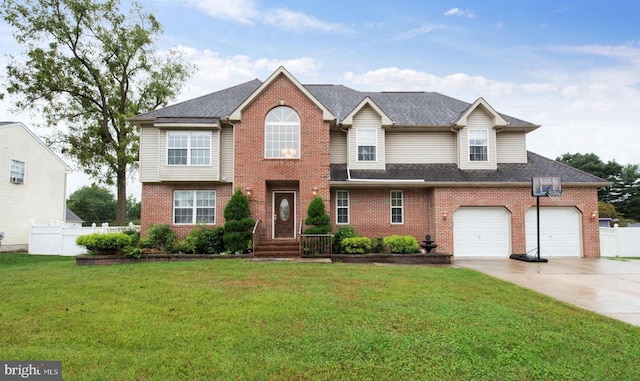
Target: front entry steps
{"x": 277, "y": 249}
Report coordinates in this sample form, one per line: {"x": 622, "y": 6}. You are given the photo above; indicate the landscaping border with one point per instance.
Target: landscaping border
{"x": 409, "y": 259}
{"x": 88, "y": 259}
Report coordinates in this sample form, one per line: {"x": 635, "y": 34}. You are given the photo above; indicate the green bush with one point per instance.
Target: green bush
{"x": 357, "y": 245}
{"x": 401, "y": 244}
{"x": 237, "y": 234}
{"x": 204, "y": 240}
{"x": 317, "y": 218}
{"x": 377, "y": 245}
{"x": 342, "y": 233}
{"x": 109, "y": 243}
{"x": 183, "y": 246}
{"x": 160, "y": 236}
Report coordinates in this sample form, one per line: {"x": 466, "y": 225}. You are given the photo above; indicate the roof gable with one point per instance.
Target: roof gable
{"x": 386, "y": 121}
{"x": 498, "y": 120}
{"x": 237, "y": 113}
{"x": 37, "y": 139}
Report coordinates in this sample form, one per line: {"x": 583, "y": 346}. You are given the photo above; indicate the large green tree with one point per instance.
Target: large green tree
{"x": 87, "y": 67}
{"x": 94, "y": 204}
{"x": 624, "y": 193}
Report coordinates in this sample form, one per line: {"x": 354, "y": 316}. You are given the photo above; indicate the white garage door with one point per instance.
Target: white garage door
{"x": 481, "y": 232}
{"x": 560, "y": 232}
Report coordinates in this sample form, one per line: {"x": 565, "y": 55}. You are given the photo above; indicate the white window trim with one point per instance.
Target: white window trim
{"x": 486, "y": 131}
{"x": 391, "y": 207}
{"x": 189, "y": 148}
{"x": 282, "y": 123}
{"x": 343, "y": 207}
{"x": 375, "y": 133}
{"x": 12, "y": 176}
{"x": 194, "y": 207}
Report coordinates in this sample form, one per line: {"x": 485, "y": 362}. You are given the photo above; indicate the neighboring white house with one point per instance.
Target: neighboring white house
{"x": 33, "y": 182}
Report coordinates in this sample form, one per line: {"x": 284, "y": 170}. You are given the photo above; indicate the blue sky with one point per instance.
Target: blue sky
{"x": 572, "y": 67}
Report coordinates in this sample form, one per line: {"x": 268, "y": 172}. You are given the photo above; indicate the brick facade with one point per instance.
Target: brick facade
{"x": 426, "y": 209}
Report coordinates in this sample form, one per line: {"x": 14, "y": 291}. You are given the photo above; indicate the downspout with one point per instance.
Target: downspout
{"x": 346, "y": 132}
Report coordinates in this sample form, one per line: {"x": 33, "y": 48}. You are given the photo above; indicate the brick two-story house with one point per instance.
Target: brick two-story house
{"x": 407, "y": 163}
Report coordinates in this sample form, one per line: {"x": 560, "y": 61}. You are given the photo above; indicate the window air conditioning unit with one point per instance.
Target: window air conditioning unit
{"x": 16, "y": 180}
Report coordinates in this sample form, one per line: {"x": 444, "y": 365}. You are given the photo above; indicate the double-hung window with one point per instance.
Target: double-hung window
{"x": 188, "y": 147}
{"x": 342, "y": 207}
{"x": 367, "y": 141}
{"x": 478, "y": 145}
{"x": 282, "y": 134}
{"x": 397, "y": 207}
{"x": 16, "y": 172}
{"x": 194, "y": 207}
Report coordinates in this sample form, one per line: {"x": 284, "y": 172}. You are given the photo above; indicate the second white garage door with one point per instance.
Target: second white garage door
{"x": 560, "y": 232}
{"x": 481, "y": 232}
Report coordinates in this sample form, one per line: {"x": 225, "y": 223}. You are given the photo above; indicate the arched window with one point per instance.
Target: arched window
{"x": 282, "y": 134}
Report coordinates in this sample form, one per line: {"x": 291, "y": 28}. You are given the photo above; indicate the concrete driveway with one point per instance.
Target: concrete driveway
{"x": 608, "y": 287}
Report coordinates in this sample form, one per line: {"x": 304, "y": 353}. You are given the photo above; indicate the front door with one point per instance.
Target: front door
{"x": 283, "y": 215}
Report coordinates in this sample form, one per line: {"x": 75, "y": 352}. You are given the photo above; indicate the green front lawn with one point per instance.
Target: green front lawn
{"x": 234, "y": 319}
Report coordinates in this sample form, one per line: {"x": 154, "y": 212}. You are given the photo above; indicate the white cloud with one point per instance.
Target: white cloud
{"x": 427, "y": 28}
{"x": 460, "y": 12}
{"x": 396, "y": 79}
{"x": 242, "y": 11}
{"x": 248, "y": 12}
{"x": 216, "y": 72}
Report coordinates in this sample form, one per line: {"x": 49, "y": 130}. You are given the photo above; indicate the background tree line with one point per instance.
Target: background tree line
{"x": 621, "y": 199}
{"x": 96, "y": 204}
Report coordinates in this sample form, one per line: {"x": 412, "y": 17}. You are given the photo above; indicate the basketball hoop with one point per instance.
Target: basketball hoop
{"x": 554, "y": 195}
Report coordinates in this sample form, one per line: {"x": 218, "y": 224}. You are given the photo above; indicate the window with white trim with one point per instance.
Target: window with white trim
{"x": 189, "y": 148}
{"x": 397, "y": 207}
{"x": 342, "y": 207}
{"x": 194, "y": 207}
{"x": 367, "y": 141}
{"x": 282, "y": 134}
{"x": 478, "y": 145}
{"x": 16, "y": 171}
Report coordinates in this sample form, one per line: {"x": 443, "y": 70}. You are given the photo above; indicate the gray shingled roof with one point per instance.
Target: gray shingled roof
{"x": 506, "y": 173}
{"x": 207, "y": 108}
{"x": 404, "y": 108}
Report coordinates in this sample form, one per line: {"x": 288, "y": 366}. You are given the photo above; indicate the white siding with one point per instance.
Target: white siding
{"x": 226, "y": 154}
{"x": 190, "y": 172}
{"x": 420, "y": 147}
{"x": 511, "y": 147}
{"x": 41, "y": 198}
{"x": 478, "y": 119}
{"x": 338, "y": 148}
{"x": 366, "y": 118}
{"x": 149, "y": 154}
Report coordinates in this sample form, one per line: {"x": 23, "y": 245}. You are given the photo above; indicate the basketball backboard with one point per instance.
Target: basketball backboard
{"x": 541, "y": 186}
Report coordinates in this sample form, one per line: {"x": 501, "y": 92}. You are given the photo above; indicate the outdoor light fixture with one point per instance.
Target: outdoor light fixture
{"x": 444, "y": 215}
{"x": 594, "y": 215}
{"x": 315, "y": 191}
{"x": 248, "y": 190}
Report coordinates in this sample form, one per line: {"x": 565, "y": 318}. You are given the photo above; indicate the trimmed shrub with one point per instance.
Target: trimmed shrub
{"x": 342, "y": 233}
{"x": 317, "y": 218}
{"x": 110, "y": 243}
{"x": 357, "y": 245}
{"x": 401, "y": 244}
{"x": 238, "y": 223}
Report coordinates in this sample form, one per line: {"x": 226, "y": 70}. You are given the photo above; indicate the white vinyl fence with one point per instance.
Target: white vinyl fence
{"x": 620, "y": 242}
{"x": 61, "y": 240}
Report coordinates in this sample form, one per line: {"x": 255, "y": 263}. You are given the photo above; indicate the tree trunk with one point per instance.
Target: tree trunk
{"x": 121, "y": 203}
